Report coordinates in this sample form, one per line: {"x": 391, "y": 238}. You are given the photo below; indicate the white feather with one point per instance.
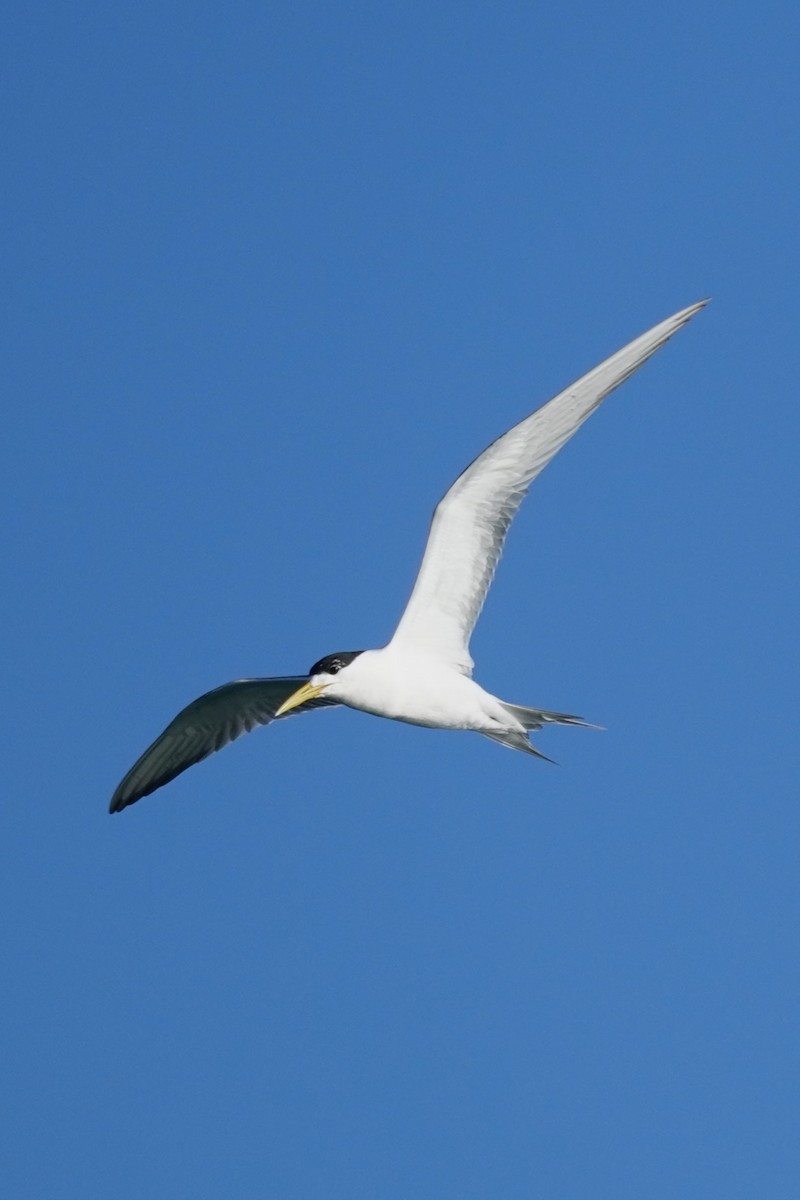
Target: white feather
{"x": 422, "y": 675}
{"x": 471, "y": 520}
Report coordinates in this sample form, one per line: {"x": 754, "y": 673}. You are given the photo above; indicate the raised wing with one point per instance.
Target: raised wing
{"x": 471, "y": 520}
{"x": 206, "y": 725}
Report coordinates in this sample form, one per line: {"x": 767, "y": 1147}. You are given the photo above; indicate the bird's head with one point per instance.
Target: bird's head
{"x": 321, "y": 678}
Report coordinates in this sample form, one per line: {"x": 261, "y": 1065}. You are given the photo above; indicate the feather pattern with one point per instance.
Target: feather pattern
{"x": 472, "y": 519}
{"x": 206, "y": 725}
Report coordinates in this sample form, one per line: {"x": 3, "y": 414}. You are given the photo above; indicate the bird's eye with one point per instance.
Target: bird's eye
{"x": 333, "y": 663}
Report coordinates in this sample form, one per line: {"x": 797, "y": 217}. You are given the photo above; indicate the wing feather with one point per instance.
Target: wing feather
{"x": 471, "y": 521}
{"x": 206, "y": 725}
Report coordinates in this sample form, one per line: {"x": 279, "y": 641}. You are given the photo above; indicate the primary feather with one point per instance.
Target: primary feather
{"x": 206, "y": 725}
{"x": 422, "y": 676}
{"x": 471, "y": 520}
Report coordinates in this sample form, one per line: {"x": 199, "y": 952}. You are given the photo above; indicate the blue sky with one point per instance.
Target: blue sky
{"x": 273, "y": 275}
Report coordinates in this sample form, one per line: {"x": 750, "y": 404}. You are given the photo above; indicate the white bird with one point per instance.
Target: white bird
{"x": 423, "y": 675}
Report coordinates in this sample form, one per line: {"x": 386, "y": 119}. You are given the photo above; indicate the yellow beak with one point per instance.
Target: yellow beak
{"x": 307, "y": 692}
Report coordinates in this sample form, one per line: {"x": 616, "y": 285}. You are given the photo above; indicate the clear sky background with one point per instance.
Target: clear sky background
{"x": 273, "y": 274}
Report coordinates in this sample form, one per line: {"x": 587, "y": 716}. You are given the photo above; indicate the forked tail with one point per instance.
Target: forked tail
{"x": 535, "y": 718}
{"x": 529, "y": 719}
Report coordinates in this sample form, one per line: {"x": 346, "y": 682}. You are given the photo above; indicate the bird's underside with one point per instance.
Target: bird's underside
{"x": 423, "y": 676}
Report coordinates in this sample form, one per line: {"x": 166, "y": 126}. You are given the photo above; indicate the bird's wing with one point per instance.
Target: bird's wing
{"x": 206, "y": 725}
{"x": 471, "y": 520}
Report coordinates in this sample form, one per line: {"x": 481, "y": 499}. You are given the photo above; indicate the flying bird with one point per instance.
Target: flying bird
{"x": 424, "y": 674}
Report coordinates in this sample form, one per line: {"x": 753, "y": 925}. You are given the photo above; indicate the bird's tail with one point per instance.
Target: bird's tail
{"x": 535, "y": 718}
{"x": 517, "y": 740}
{"x": 530, "y": 719}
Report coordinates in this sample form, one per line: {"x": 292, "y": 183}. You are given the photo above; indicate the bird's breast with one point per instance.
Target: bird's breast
{"x": 417, "y": 690}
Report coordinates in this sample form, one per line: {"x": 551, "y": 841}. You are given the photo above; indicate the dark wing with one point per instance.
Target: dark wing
{"x": 206, "y": 725}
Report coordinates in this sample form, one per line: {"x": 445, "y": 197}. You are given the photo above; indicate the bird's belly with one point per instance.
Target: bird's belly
{"x": 429, "y": 715}
{"x": 439, "y": 700}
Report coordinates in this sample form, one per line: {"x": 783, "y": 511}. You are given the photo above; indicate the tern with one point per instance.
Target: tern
{"x": 423, "y": 676}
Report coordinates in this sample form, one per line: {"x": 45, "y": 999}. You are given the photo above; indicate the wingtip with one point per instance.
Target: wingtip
{"x": 686, "y": 314}
{"x": 119, "y": 801}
